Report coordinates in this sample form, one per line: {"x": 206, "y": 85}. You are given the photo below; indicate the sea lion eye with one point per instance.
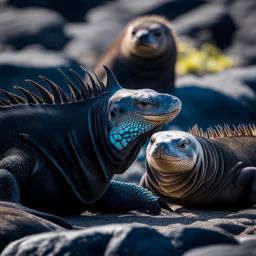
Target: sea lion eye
{"x": 183, "y": 144}
{"x": 134, "y": 31}
{"x": 152, "y": 139}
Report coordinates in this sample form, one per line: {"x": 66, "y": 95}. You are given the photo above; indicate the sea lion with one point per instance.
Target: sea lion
{"x": 143, "y": 55}
{"x": 214, "y": 169}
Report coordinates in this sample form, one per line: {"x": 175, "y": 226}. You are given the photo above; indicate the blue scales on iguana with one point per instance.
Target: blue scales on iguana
{"x": 59, "y": 152}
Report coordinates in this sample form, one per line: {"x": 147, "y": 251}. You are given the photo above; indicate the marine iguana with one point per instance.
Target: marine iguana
{"x": 213, "y": 169}
{"x": 59, "y": 153}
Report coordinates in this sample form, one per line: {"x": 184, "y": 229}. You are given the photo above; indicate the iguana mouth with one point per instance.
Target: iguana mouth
{"x": 162, "y": 118}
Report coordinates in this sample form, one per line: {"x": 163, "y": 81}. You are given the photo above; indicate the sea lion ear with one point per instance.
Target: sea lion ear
{"x": 112, "y": 83}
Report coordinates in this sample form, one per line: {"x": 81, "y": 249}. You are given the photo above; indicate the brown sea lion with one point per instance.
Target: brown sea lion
{"x": 214, "y": 169}
{"x": 143, "y": 55}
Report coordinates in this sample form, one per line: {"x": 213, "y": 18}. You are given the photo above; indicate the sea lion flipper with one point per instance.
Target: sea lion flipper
{"x": 247, "y": 177}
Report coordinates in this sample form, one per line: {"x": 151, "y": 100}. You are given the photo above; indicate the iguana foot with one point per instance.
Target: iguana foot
{"x": 123, "y": 197}
{"x": 9, "y": 189}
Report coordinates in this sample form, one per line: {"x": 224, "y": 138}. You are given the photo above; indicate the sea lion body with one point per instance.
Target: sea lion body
{"x": 215, "y": 170}
{"x": 143, "y": 55}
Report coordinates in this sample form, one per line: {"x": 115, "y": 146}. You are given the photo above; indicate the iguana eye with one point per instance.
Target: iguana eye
{"x": 143, "y": 103}
{"x": 112, "y": 113}
{"x": 157, "y": 33}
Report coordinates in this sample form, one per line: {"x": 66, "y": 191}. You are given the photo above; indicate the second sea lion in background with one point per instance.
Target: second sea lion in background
{"x": 143, "y": 55}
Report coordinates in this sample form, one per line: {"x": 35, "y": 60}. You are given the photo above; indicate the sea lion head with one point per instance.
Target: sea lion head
{"x": 173, "y": 151}
{"x": 136, "y": 113}
{"x": 148, "y": 37}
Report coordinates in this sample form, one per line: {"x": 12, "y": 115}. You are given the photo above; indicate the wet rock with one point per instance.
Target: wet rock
{"x": 228, "y": 97}
{"x": 71, "y": 10}
{"x": 224, "y": 250}
{"x": 187, "y": 238}
{"x": 140, "y": 241}
{"x": 243, "y": 47}
{"x": 207, "y": 23}
{"x": 90, "y": 40}
{"x": 20, "y": 28}
{"x": 16, "y": 67}
{"x": 16, "y": 224}
{"x": 102, "y": 240}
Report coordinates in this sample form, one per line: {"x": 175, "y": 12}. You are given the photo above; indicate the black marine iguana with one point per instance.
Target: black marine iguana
{"x": 60, "y": 153}
{"x": 213, "y": 169}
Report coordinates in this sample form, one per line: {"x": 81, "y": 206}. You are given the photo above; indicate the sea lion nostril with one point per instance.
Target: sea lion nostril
{"x": 162, "y": 145}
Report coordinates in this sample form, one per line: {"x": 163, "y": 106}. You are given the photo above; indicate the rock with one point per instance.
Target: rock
{"x": 243, "y": 48}
{"x": 187, "y": 238}
{"x": 138, "y": 241}
{"x": 206, "y": 23}
{"x": 102, "y": 240}
{"x": 174, "y": 9}
{"x": 90, "y": 40}
{"x": 15, "y": 67}
{"x": 71, "y": 10}
{"x": 224, "y": 250}
{"x": 32, "y": 26}
{"x": 16, "y": 224}
{"x": 228, "y": 97}
{"x": 122, "y": 10}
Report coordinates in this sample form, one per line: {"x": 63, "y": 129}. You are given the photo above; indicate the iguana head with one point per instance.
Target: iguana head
{"x": 132, "y": 113}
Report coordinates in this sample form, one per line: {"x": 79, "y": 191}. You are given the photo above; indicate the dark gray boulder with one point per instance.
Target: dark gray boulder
{"x": 225, "y": 98}
{"x": 15, "y": 67}
{"x": 20, "y": 28}
{"x": 207, "y": 23}
{"x": 101, "y": 240}
{"x": 243, "y": 47}
{"x": 224, "y": 250}
{"x": 187, "y": 238}
{"x": 139, "y": 241}
{"x": 89, "y": 40}
{"x": 15, "y": 224}
{"x": 71, "y": 10}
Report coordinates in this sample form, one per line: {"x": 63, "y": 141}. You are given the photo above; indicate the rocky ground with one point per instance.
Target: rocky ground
{"x": 36, "y": 37}
{"x": 236, "y": 223}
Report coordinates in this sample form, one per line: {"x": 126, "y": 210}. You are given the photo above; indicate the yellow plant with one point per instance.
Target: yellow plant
{"x": 207, "y": 59}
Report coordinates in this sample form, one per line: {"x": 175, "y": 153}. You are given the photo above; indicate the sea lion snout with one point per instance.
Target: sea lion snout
{"x": 172, "y": 151}
{"x": 159, "y": 149}
{"x": 143, "y": 38}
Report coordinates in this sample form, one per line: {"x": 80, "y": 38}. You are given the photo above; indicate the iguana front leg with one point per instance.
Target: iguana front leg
{"x": 123, "y": 197}
{"x": 9, "y": 189}
{"x": 247, "y": 179}
{"x": 15, "y": 167}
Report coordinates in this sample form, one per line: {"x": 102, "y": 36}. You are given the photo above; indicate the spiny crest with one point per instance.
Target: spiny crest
{"x": 90, "y": 88}
{"x": 224, "y": 131}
